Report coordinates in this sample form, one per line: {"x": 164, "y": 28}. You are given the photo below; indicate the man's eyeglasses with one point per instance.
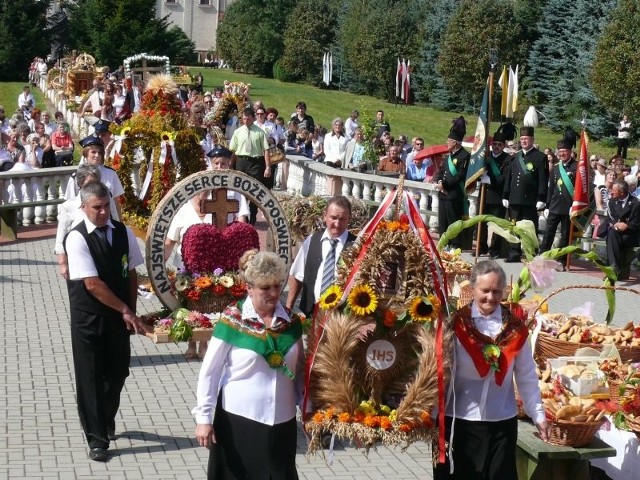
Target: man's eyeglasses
{"x": 419, "y": 144}
{"x": 260, "y": 113}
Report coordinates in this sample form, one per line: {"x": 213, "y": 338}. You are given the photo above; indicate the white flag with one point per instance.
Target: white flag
{"x": 330, "y": 69}
{"x": 398, "y": 74}
{"x": 403, "y": 78}
{"x": 509, "y": 110}
{"x": 514, "y": 95}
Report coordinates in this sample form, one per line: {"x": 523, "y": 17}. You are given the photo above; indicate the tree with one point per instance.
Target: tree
{"x": 112, "y": 30}
{"x": 429, "y": 85}
{"x": 181, "y": 49}
{"x": 373, "y": 35}
{"x": 309, "y": 34}
{"x": 560, "y": 64}
{"x": 463, "y": 62}
{"x": 250, "y": 36}
{"x": 616, "y": 68}
{"x": 23, "y": 36}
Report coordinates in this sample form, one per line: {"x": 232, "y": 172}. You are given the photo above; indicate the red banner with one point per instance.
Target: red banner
{"x": 581, "y": 189}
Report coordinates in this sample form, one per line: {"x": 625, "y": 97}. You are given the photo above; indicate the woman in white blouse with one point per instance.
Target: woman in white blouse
{"x": 335, "y": 145}
{"x": 491, "y": 350}
{"x": 251, "y": 379}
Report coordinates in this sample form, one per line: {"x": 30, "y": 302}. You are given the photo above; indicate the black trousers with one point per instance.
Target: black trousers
{"x": 254, "y": 167}
{"x": 249, "y": 450}
{"x": 553, "y": 220}
{"x": 623, "y": 144}
{"x": 101, "y": 354}
{"x": 496, "y": 241}
{"x": 450, "y": 211}
{"x": 517, "y": 213}
{"x": 616, "y": 242}
{"x": 481, "y": 451}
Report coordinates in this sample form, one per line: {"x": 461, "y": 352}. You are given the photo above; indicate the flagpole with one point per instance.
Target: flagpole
{"x": 493, "y": 60}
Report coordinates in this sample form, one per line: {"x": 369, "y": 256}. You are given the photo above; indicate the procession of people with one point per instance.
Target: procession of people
{"x": 253, "y": 383}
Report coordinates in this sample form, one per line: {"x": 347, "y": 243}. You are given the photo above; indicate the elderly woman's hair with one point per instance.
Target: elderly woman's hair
{"x": 93, "y": 189}
{"x": 87, "y": 171}
{"x": 485, "y": 267}
{"x": 337, "y": 120}
{"x": 262, "y": 268}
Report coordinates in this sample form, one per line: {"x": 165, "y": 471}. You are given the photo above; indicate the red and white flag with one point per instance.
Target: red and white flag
{"x": 398, "y": 78}
{"x": 581, "y": 189}
{"x": 406, "y": 83}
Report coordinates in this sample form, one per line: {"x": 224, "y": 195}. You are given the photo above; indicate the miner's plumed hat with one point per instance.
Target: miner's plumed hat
{"x": 526, "y": 132}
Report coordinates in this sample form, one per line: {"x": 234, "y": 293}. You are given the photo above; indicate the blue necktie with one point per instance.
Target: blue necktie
{"x": 328, "y": 272}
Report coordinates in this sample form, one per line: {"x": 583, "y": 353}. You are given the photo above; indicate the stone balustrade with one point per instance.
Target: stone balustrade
{"x": 44, "y": 186}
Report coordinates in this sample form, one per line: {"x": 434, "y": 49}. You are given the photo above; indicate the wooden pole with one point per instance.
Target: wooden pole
{"x": 487, "y": 152}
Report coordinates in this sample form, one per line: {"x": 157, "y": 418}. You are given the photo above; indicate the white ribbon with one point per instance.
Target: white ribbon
{"x": 147, "y": 180}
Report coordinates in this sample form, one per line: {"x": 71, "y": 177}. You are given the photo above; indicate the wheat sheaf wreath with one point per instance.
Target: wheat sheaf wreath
{"x": 349, "y": 395}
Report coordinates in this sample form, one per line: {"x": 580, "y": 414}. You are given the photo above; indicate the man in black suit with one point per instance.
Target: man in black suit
{"x": 623, "y": 214}
{"x": 560, "y": 197}
{"x": 450, "y": 185}
{"x": 525, "y": 187}
{"x": 497, "y": 166}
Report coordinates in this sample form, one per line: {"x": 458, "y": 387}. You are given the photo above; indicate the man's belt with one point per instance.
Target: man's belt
{"x": 253, "y": 159}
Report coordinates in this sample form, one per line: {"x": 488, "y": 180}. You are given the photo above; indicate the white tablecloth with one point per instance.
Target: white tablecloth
{"x": 626, "y": 464}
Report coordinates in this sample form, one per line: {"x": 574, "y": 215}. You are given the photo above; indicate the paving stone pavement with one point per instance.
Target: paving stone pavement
{"x": 40, "y": 436}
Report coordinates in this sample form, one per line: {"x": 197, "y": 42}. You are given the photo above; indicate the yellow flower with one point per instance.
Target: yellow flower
{"x": 166, "y": 136}
{"x": 530, "y": 166}
{"x": 125, "y": 131}
{"x": 330, "y": 298}
{"x": 559, "y": 182}
{"x": 424, "y": 309}
{"x": 362, "y": 300}
{"x": 226, "y": 281}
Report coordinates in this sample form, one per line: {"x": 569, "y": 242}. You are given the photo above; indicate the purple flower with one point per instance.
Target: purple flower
{"x": 165, "y": 322}
{"x": 218, "y": 271}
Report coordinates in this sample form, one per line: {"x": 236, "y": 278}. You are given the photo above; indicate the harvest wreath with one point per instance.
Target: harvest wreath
{"x": 375, "y": 362}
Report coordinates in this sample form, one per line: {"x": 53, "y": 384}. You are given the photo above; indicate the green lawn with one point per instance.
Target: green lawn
{"x": 9, "y": 92}
{"x": 324, "y": 105}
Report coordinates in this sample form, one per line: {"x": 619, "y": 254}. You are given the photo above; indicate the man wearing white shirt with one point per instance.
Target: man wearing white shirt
{"x": 269, "y": 128}
{"x": 26, "y": 102}
{"x": 103, "y": 255}
{"x": 308, "y": 269}
{"x": 335, "y": 145}
{"x": 351, "y": 124}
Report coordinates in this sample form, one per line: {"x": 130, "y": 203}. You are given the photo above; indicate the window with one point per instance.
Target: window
{"x": 170, "y": 1}
{"x": 205, "y": 2}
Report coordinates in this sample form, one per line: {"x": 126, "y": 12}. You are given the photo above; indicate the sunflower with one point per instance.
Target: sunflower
{"x": 331, "y": 297}
{"x": 362, "y": 300}
{"x": 202, "y": 282}
{"x": 424, "y": 309}
{"x": 125, "y": 131}
{"x": 166, "y": 136}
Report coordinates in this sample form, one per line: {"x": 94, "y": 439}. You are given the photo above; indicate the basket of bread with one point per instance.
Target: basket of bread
{"x": 561, "y": 334}
{"x": 573, "y": 421}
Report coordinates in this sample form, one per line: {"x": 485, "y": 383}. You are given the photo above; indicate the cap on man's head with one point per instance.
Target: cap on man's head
{"x": 602, "y": 161}
{"x": 564, "y": 144}
{"x": 90, "y": 141}
{"x": 593, "y": 158}
{"x": 499, "y": 137}
{"x": 455, "y": 135}
{"x": 101, "y": 126}
{"x": 527, "y": 132}
{"x": 219, "y": 151}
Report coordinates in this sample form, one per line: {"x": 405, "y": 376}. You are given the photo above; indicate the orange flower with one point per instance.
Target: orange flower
{"x": 202, "y": 282}
{"x": 371, "y": 421}
{"x": 344, "y": 417}
{"x": 426, "y": 419}
{"x": 358, "y": 417}
{"x": 318, "y": 417}
{"x": 389, "y": 318}
{"x": 385, "y": 424}
{"x": 405, "y": 428}
{"x": 328, "y": 414}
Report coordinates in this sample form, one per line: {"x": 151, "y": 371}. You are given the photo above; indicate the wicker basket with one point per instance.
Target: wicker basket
{"x": 614, "y": 391}
{"x": 548, "y": 346}
{"x": 634, "y": 424}
{"x": 573, "y": 434}
{"x": 210, "y": 304}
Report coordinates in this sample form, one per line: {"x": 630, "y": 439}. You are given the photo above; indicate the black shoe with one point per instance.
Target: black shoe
{"x": 98, "y": 454}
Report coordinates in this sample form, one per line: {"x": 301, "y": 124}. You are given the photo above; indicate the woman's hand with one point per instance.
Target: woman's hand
{"x": 205, "y": 435}
{"x": 543, "y": 430}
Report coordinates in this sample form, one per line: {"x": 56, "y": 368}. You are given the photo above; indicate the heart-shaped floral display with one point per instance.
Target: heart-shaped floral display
{"x": 205, "y": 248}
